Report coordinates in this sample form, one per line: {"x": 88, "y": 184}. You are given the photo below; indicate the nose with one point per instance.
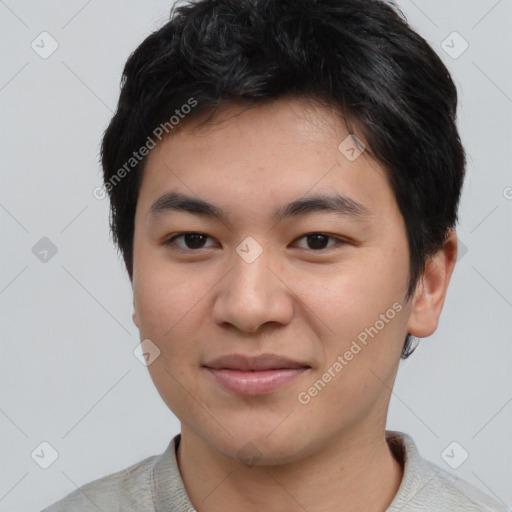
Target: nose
{"x": 252, "y": 295}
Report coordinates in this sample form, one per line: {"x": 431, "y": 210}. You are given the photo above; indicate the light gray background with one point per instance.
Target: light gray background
{"x": 68, "y": 373}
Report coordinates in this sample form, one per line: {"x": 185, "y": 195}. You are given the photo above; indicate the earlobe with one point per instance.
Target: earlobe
{"x": 430, "y": 293}
{"x": 134, "y": 317}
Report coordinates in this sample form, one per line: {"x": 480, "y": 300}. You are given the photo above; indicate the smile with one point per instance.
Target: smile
{"x": 252, "y": 376}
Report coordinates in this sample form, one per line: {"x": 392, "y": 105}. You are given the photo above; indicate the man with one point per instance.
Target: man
{"x": 284, "y": 181}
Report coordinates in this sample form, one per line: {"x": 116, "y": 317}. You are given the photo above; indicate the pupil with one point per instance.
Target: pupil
{"x": 316, "y": 241}
{"x": 193, "y": 240}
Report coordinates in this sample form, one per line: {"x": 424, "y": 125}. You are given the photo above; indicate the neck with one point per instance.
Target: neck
{"x": 352, "y": 472}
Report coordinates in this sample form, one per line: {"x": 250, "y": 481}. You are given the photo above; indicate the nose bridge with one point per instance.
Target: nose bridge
{"x": 250, "y": 277}
{"x": 251, "y": 293}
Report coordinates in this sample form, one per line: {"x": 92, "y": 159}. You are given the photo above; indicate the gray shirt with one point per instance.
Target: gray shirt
{"x": 155, "y": 485}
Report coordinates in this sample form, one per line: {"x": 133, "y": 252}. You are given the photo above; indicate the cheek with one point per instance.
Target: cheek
{"x": 351, "y": 296}
{"x": 163, "y": 295}
{"x": 362, "y": 307}
{"x": 362, "y": 345}
{"x": 168, "y": 309}
{"x": 170, "y": 305}
{"x": 155, "y": 303}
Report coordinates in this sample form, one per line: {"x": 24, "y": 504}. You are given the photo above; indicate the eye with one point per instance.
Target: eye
{"x": 318, "y": 241}
{"x": 192, "y": 240}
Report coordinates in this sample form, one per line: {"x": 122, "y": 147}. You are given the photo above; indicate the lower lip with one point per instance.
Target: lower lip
{"x": 252, "y": 383}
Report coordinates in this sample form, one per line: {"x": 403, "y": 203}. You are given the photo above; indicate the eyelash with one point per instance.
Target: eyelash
{"x": 171, "y": 241}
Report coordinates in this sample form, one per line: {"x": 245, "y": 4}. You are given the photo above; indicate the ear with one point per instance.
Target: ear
{"x": 430, "y": 293}
{"x": 135, "y": 318}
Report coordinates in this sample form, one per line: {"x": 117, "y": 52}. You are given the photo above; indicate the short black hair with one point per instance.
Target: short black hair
{"x": 359, "y": 56}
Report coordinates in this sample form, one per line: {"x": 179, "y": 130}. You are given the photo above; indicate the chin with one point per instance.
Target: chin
{"x": 255, "y": 447}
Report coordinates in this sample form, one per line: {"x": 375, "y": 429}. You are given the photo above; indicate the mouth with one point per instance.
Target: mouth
{"x": 252, "y": 376}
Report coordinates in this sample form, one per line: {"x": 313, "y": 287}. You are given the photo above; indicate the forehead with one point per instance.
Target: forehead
{"x": 263, "y": 158}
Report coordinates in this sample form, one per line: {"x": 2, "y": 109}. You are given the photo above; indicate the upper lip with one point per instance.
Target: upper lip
{"x": 248, "y": 363}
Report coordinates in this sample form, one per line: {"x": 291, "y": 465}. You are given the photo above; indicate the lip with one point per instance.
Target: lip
{"x": 252, "y": 376}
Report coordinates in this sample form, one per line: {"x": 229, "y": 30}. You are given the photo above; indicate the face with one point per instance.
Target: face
{"x": 282, "y": 333}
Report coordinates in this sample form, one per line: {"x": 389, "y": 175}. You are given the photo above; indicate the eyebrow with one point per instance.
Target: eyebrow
{"x": 339, "y": 204}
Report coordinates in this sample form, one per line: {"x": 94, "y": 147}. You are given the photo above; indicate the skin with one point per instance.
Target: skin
{"x": 293, "y": 300}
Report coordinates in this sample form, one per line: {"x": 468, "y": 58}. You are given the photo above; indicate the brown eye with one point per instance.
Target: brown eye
{"x": 318, "y": 241}
{"x": 192, "y": 241}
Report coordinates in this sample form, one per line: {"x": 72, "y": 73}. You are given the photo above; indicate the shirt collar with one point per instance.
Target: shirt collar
{"x": 169, "y": 492}
{"x": 417, "y": 474}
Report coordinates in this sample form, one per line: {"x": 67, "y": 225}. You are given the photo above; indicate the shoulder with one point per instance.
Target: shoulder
{"x": 128, "y": 489}
{"x": 426, "y": 486}
{"x": 455, "y": 492}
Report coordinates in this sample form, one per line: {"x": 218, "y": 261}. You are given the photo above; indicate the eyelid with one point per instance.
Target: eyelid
{"x": 170, "y": 241}
{"x": 340, "y": 241}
